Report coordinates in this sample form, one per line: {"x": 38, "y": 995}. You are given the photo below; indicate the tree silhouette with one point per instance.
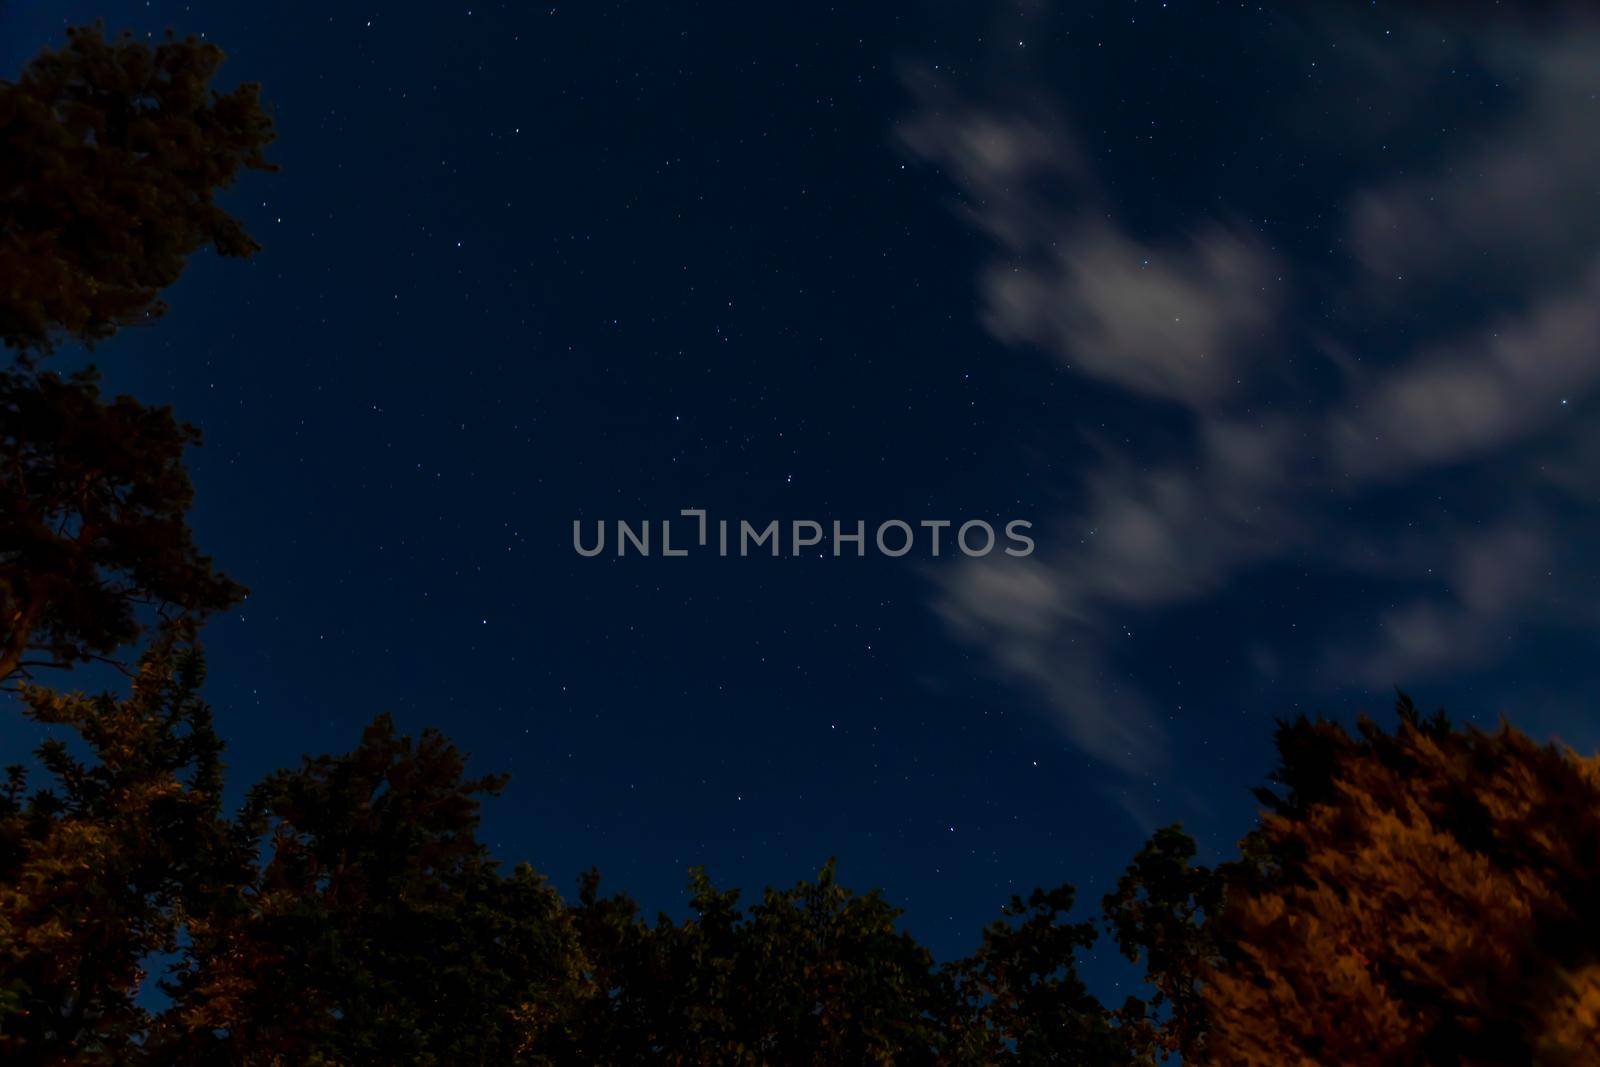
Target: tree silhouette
{"x": 93, "y": 505}
{"x": 98, "y": 868}
{"x": 1023, "y": 1001}
{"x": 1424, "y": 896}
{"x": 376, "y": 929}
{"x": 111, "y": 153}
{"x": 1162, "y": 912}
{"x": 811, "y": 974}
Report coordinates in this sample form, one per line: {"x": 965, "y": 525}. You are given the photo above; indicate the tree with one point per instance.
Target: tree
{"x": 377, "y": 928}
{"x": 1162, "y": 911}
{"x": 98, "y": 869}
{"x": 111, "y": 154}
{"x": 1426, "y": 896}
{"x": 1023, "y": 1001}
{"x": 814, "y": 974}
{"x": 93, "y": 504}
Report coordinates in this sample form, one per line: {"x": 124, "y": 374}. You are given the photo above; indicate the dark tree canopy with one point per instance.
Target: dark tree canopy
{"x": 1161, "y": 912}
{"x": 1022, "y": 1001}
{"x": 375, "y": 927}
{"x": 93, "y": 504}
{"x": 111, "y": 154}
{"x": 349, "y": 914}
{"x": 99, "y": 866}
{"x": 1424, "y": 897}
{"x": 815, "y": 973}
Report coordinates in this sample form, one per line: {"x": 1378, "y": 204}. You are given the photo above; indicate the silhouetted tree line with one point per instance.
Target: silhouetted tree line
{"x": 1420, "y": 895}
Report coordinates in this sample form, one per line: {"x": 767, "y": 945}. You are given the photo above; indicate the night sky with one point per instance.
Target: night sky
{"x": 1281, "y": 326}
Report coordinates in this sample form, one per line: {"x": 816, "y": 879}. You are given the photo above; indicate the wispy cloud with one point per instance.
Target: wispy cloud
{"x": 1488, "y": 581}
{"x": 1173, "y": 320}
{"x": 1473, "y": 395}
{"x": 1192, "y": 319}
{"x": 1517, "y": 198}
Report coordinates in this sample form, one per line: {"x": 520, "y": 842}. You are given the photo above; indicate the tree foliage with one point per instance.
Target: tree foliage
{"x": 348, "y": 913}
{"x": 811, "y": 974}
{"x": 1022, "y": 1001}
{"x": 1161, "y": 912}
{"x": 111, "y": 156}
{"x": 93, "y": 522}
{"x": 100, "y": 868}
{"x": 376, "y": 928}
{"x": 1417, "y": 896}
{"x": 1423, "y": 896}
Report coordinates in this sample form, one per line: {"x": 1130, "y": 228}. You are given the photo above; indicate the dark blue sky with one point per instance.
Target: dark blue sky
{"x": 1280, "y": 326}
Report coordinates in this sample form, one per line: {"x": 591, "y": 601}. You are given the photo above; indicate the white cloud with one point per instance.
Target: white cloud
{"x": 1190, "y": 318}
{"x": 1476, "y": 394}
{"x": 1025, "y": 614}
{"x": 1177, "y": 319}
{"x": 1490, "y": 581}
{"x": 1517, "y": 198}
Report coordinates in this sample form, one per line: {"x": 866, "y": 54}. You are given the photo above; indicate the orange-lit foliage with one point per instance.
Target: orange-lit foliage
{"x": 1426, "y": 896}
